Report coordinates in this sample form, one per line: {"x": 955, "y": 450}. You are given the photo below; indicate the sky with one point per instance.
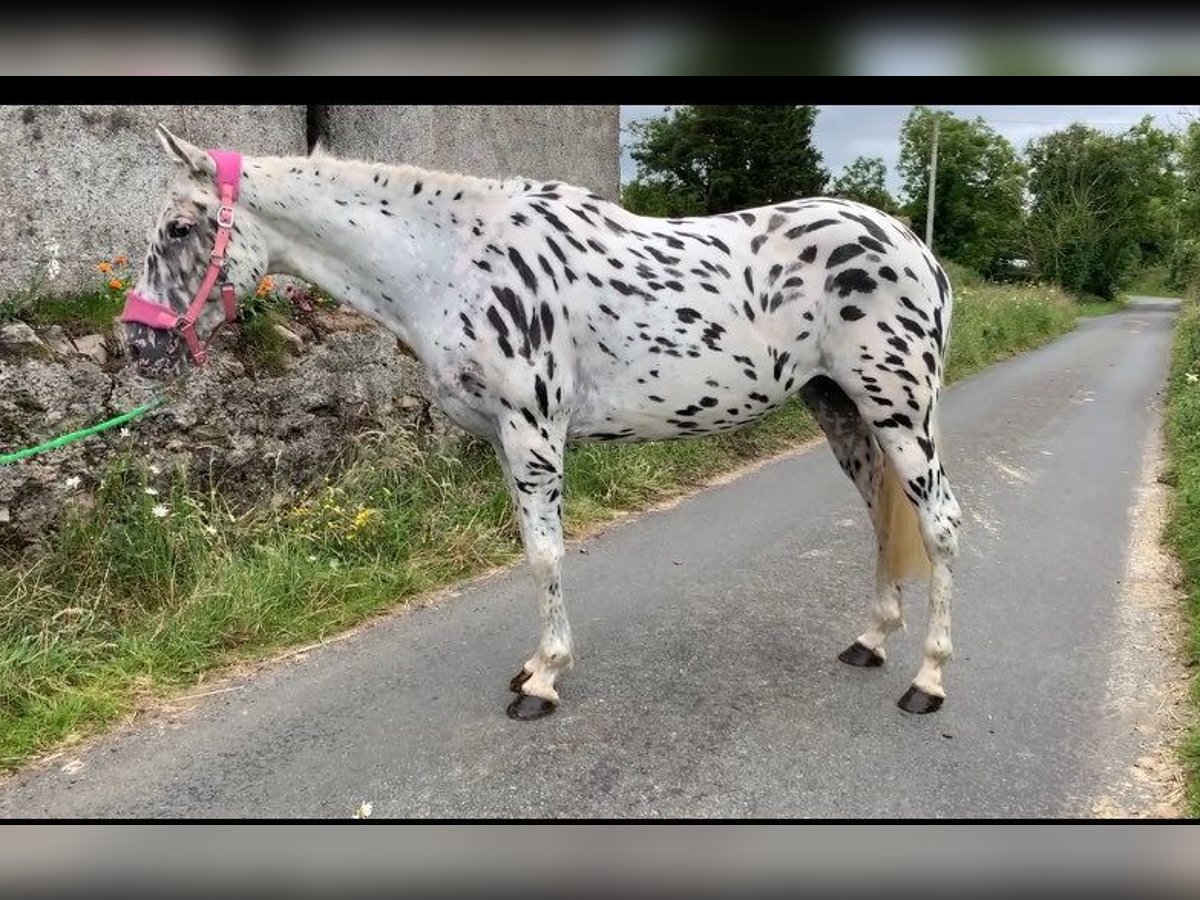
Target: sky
{"x": 843, "y": 133}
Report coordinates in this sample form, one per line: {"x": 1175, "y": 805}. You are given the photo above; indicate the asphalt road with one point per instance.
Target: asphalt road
{"x": 707, "y": 683}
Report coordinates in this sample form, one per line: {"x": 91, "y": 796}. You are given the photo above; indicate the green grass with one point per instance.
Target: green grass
{"x": 993, "y": 321}
{"x": 123, "y": 603}
{"x": 1152, "y": 282}
{"x": 79, "y": 315}
{"x": 260, "y": 345}
{"x": 1090, "y": 309}
{"x": 1183, "y": 530}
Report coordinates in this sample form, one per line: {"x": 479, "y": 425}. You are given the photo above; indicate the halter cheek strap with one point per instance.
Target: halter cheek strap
{"x": 145, "y": 312}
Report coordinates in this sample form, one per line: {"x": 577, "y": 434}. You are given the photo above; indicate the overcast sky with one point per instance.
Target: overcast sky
{"x": 845, "y": 132}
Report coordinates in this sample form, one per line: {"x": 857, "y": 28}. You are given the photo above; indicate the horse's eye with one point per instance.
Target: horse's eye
{"x": 179, "y": 229}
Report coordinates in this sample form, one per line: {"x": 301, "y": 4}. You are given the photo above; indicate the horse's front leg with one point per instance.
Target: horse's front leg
{"x": 532, "y": 461}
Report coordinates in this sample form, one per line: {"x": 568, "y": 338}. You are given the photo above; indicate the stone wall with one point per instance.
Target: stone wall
{"x": 578, "y": 144}
{"x": 92, "y": 179}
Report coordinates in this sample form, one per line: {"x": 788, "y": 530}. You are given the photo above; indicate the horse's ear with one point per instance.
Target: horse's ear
{"x": 197, "y": 161}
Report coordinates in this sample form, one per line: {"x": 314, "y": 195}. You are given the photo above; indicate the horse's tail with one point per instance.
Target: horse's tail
{"x": 902, "y": 549}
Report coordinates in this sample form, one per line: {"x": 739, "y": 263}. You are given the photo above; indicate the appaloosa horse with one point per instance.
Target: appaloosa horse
{"x": 546, "y": 315}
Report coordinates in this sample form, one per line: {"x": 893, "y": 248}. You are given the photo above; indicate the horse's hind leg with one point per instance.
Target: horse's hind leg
{"x": 911, "y": 448}
{"x": 859, "y": 455}
{"x": 532, "y": 460}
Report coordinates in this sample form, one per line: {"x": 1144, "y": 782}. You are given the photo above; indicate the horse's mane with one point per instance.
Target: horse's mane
{"x": 438, "y": 177}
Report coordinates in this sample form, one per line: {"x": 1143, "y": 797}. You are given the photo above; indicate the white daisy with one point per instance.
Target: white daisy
{"x": 209, "y": 529}
{"x": 160, "y": 512}
{"x": 73, "y": 482}
{"x": 1192, "y": 377}
{"x": 124, "y": 432}
{"x": 153, "y": 492}
{"x": 363, "y": 811}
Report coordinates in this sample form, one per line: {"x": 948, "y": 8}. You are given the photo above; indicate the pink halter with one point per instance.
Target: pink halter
{"x": 139, "y": 309}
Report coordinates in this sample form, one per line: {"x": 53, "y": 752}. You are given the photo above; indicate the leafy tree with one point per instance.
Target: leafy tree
{"x": 1156, "y": 186}
{"x": 702, "y": 160}
{"x": 1189, "y": 165}
{"x": 863, "y": 180}
{"x": 656, "y": 198}
{"x": 977, "y": 217}
{"x": 1184, "y": 262}
{"x": 1103, "y": 204}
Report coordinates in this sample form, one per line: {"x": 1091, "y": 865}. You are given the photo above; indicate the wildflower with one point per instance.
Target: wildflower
{"x": 124, "y": 432}
{"x": 104, "y": 267}
{"x": 73, "y": 482}
{"x": 265, "y": 286}
{"x": 121, "y": 260}
{"x": 312, "y": 558}
{"x": 154, "y": 470}
{"x": 210, "y": 530}
{"x": 153, "y": 492}
{"x": 116, "y": 284}
{"x": 160, "y": 512}
{"x": 1192, "y": 377}
{"x": 363, "y": 811}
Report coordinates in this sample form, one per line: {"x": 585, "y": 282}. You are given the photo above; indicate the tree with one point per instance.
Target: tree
{"x": 1156, "y": 186}
{"x": 1102, "y": 204}
{"x": 1184, "y": 262}
{"x": 863, "y": 180}
{"x": 703, "y": 160}
{"x": 1189, "y": 165}
{"x": 978, "y": 212}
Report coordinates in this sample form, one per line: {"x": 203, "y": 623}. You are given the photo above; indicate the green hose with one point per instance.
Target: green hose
{"x": 7, "y": 458}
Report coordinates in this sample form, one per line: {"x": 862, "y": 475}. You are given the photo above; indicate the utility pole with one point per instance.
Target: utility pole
{"x": 932, "y": 184}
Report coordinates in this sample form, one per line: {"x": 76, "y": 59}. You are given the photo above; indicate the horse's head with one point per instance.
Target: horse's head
{"x": 197, "y": 264}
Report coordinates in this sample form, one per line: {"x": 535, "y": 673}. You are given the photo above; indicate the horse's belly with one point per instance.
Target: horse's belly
{"x": 686, "y": 398}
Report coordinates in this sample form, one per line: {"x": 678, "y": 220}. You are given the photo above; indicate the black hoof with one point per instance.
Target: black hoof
{"x": 916, "y": 700}
{"x": 519, "y": 679}
{"x": 860, "y": 655}
{"x": 526, "y": 707}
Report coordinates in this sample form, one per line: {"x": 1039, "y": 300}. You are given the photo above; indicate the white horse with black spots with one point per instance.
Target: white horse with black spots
{"x": 546, "y": 315}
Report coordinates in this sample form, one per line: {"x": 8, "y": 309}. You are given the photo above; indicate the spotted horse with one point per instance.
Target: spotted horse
{"x": 546, "y": 315}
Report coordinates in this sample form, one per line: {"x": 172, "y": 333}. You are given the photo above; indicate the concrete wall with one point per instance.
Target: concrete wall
{"x": 93, "y": 178}
{"x": 576, "y": 144}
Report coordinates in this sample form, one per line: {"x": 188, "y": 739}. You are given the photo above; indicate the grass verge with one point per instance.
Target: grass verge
{"x": 150, "y": 586}
{"x": 1183, "y": 529}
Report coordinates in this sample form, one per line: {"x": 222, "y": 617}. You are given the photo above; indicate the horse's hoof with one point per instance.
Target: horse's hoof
{"x": 860, "y": 655}
{"x": 527, "y": 707}
{"x": 519, "y": 679}
{"x": 916, "y": 700}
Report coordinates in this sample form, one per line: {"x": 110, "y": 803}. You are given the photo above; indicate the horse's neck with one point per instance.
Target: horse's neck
{"x": 385, "y": 240}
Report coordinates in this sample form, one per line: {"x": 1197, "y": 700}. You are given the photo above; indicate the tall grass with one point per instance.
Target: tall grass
{"x": 992, "y": 322}
{"x": 1183, "y": 529}
{"x": 150, "y": 585}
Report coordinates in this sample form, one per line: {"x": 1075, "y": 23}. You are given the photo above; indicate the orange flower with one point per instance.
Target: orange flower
{"x": 104, "y": 267}
{"x": 116, "y": 284}
{"x": 121, "y": 261}
{"x": 265, "y": 286}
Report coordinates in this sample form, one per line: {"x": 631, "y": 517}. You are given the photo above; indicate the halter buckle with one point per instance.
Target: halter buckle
{"x": 225, "y": 216}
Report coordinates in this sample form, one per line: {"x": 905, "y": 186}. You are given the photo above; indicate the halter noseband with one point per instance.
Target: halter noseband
{"x": 145, "y": 312}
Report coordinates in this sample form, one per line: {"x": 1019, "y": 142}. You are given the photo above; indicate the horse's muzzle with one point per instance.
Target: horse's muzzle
{"x": 157, "y": 353}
